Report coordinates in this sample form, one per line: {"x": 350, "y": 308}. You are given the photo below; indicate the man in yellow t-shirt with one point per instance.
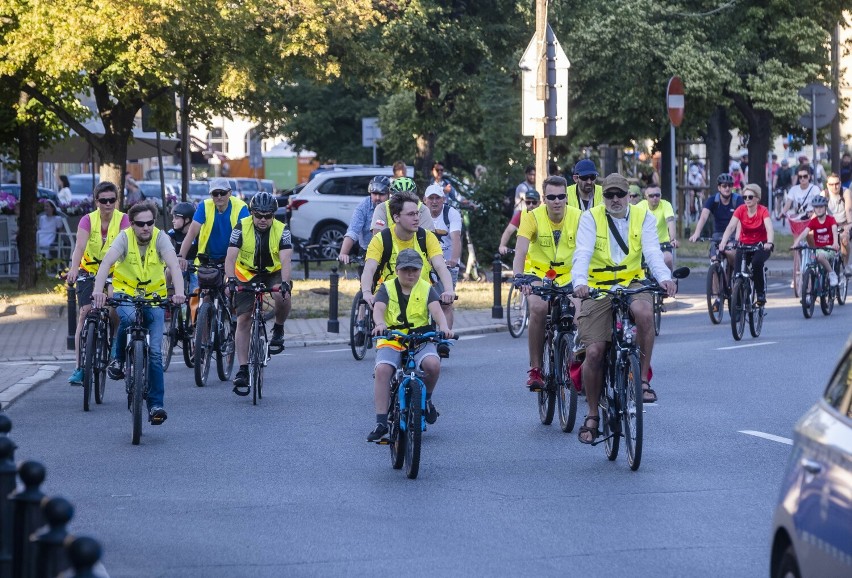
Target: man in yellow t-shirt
{"x": 546, "y": 240}
{"x": 664, "y": 213}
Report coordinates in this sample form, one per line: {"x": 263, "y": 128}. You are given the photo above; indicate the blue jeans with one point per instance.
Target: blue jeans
{"x": 153, "y": 322}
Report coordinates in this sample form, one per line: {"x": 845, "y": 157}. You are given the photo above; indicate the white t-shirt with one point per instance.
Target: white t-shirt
{"x": 47, "y": 228}
{"x": 802, "y": 198}
{"x": 443, "y": 230}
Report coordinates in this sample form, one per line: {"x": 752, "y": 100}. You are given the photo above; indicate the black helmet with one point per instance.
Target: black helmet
{"x": 263, "y": 202}
{"x": 185, "y": 210}
{"x": 819, "y": 201}
{"x": 380, "y": 185}
{"x": 725, "y": 179}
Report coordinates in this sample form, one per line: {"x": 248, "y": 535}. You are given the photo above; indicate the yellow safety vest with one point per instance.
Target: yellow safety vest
{"x": 137, "y": 274}
{"x": 210, "y": 215}
{"x": 574, "y": 201}
{"x": 603, "y": 272}
{"x": 544, "y": 254}
{"x": 246, "y": 267}
{"x": 662, "y": 225}
{"x": 95, "y": 249}
{"x": 387, "y": 269}
{"x": 416, "y": 312}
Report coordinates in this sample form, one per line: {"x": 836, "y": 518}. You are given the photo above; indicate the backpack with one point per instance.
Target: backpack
{"x": 387, "y": 249}
{"x": 734, "y": 198}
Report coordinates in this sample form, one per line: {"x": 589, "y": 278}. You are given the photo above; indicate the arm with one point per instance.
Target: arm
{"x": 586, "y": 233}
{"x": 194, "y": 228}
{"x": 286, "y": 258}
{"x": 770, "y": 232}
{"x": 379, "y": 317}
{"x": 455, "y": 254}
{"x": 651, "y": 250}
{"x": 367, "y": 280}
{"x": 729, "y": 230}
{"x": 801, "y": 236}
{"x": 98, "y": 296}
{"x": 440, "y": 268}
{"x": 847, "y": 203}
{"x": 440, "y": 319}
{"x": 504, "y": 239}
{"x": 670, "y": 223}
{"x": 522, "y": 245}
{"x": 835, "y": 237}
{"x": 170, "y": 257}
{"x": 345, "y": 247}
{"x": 705, "y": 213}
{"x": 77, "y": 256}
{"x": 231, "y": 262}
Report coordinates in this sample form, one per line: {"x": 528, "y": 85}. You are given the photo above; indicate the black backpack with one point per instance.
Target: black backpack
{"x": 387, "y": 249}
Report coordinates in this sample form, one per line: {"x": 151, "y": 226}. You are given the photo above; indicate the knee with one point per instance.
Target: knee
{"x": 431, "y": 366}
{"x": 595, "y": 354}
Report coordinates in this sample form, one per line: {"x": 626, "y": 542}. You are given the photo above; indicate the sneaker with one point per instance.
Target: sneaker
{"x": 241, "y": 385}
{"x": 535, "y": 381}
{"x": 157, "y": 415}
{"x": 378, "y": 433}
{"x": 115, "y": 369}
{"x": 761, "y": 299}
{"x": 359, "y": 334}
{"x": 431, "y": 413}
{"x": 277, "y": 339}
{"x": 832, "y": 279}
{"x": 443, "y": 350}
{"x": 715, "y": 306}
{"x": 76, "y": 377}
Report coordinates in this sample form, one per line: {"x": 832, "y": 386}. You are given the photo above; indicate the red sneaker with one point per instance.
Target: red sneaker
{"x": 535, "y": 381}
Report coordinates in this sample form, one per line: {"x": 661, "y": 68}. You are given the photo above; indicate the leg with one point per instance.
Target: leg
{"x": 242, "y": 338}
{"x": 538, "y": 313}
{"x": 282, "y": 307}
{"x": 126, "y": 316}
{"x": 643, "y": 314}
{"x": 430, "y": 365}
{"x": 154, "y": 320}
{"x": 381, "y": 387}
{"x": 757, "y": 262}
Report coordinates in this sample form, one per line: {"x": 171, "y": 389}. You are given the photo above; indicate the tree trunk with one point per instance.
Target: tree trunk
{"x": 759, "y": 137}
{"x": 718, "y": 142}
{"x": 28, "y": 147}
{"x": 425, "y": 154}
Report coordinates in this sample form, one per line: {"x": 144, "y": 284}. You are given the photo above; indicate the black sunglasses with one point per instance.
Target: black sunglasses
{"x": 141, "y": 224}
{"x": 219, "y": 193}
{"x": 748, "y": 197}
{"x": 560, "y": 197}
{"x": 266, "y": 216}
{"x": 588, "y": 178}
{"x": 804, "y": 176}
{"x": 612, "y": 194}
{"x": 109, "y": 201}
{"x": 528, "y": 203}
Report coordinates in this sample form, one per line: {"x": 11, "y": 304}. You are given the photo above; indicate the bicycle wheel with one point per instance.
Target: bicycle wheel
{"x": 357, "y": 334}
{"x": 187, "y": 337}
{"x": 547, "y": 395}
{"x": 632, "y": 416}
{"x": 715, "y": 293}
{"x": 396, "y": 437}
{"x": 738, "y": 309}
{"x": 137, "y": 376}
{"x": 169, "y": 338}
{"x": 608, "y": 412}
{"x": 414, "y": 429}
{"x": 89, "y": 357}
{"x": 808, "y": 299}
{"x": 658, "y": 312}
{"x": 826, "y": 297}
{"x": 567, "y": 398}
{"x": 842, "y": 284}
{"x": 517, "y": 312}
{"x": 225, "y": 346}
{"x": 798, "y": 273}
{"x": 257, "y": 357}
{"x": 102, "y": 351}
{"x": 203, "y": 343}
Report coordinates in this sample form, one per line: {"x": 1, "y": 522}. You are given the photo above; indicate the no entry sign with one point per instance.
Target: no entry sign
{"x": 674, "y": 100}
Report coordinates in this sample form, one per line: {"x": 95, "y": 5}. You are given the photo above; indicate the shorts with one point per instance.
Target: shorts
{"x": 594, "y": 323}
{"x": 454, "y": 274}
{"x": 390, "y": 356}
{"x": 827, "y": 253}
{"x": 244, "y": 301}
{"x": 85, "y": 286}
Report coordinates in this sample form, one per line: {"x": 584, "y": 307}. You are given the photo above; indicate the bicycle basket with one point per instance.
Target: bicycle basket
{"x": 210, "y": 277}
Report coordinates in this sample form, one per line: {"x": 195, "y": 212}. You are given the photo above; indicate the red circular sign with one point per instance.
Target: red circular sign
{"x": 675, "y": 100}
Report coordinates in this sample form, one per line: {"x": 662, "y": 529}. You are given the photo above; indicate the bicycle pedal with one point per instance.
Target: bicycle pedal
{"x": 382, "y": 442}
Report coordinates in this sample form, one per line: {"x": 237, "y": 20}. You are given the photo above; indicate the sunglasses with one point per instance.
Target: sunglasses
{"x": 561, "y": 197}
{"x": 609, "y": 195}
{"x": 724, "y": 186}
{"x": 109, "y": 201}
{"x": 219, "y": 193}
{"x": 266, "y": 216}
{"x": 141, "y": 224}
{"x": 531, "y": 203}
{"x": 588, "y": 178}
{"x": 748, "y": 197}
{"x": 804, "y": 176}
{"x": 653, "y": 195}
{"x": 634, "y": 196}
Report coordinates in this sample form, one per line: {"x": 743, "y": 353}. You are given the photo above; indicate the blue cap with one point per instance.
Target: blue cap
{"x": 585, "y": 168}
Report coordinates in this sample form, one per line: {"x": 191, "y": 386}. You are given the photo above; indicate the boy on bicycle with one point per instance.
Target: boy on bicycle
{"x": 406, "y": 303}
{"x": 824, "y": 228}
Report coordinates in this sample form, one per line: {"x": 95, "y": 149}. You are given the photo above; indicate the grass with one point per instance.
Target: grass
{"x": 48, "y": 291}
{"x": 699, "y": 250}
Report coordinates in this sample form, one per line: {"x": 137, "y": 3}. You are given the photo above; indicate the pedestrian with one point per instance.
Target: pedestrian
{"x": 64, "y": 194}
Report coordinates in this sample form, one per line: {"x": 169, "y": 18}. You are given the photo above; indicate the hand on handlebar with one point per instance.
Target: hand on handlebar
{"x": 447, "y": 297}
{"x": 379, "y": 329}
{"x": 178, "y": 299}
{"x": 581, "y": 291}
{"x": 670, "y": 287}
{"x": 343, "y": 258}
{"x": 98, "y": 300}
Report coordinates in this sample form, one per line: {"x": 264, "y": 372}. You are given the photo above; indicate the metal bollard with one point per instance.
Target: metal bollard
{"x": 497, "y": 273}
{"x": 84, "y": 553}
{"x": 72, "y": 318}
{"x": 50, "y": 541}
{"x": 8, "y": 475}
{"x": 306, "y": 264}
{"x": 27, "y": 518}
{"x": 333, "y": 323}
{"x": 5, "y": 424}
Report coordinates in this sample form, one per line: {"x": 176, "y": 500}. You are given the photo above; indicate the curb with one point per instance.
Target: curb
{"x": 44, "y": 373}
{"x": 40, "y": 358}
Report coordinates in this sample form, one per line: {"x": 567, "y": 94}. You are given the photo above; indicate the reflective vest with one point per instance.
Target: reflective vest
{"x": 416, "y": 312}
{"x": 246, "y": 266}
{"x": 95, "y": 249}
{"x": 386, "y": 271}
{"x": 662, "y": 225}
{"x": 210, "y": 215}
{"x": 136, "y": 273}
{"x": 544, "y": 254}
{"x": 574, "y": 201}
{"x": 603, "y": 272}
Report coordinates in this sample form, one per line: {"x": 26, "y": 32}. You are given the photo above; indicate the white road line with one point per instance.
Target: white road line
{"x": 331, "y": 350}
{"x": 469, "y": 337}
{"x": 747, "y": 345}
{"x": 767, "y": 436}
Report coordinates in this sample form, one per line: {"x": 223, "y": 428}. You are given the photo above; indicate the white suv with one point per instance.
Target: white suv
{"x": 320, "y": 212}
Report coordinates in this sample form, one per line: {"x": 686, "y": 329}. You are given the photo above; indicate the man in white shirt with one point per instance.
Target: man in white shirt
{"x": 448, "y": 226}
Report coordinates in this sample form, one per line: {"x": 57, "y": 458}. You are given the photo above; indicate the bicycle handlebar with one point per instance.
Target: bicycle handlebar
{"x": 435, "y": 336}
{"x": 155, "y": 301}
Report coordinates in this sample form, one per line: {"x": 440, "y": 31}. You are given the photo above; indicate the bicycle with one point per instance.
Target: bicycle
{"x": 621, "y": 403}
{"x": 180, "y": 330}
{"x": 517, "y": 309}
{"x": 360, "y": 320}
{"x": 214, "y": 326}
{"x": 407, "y": 406}
{"x": 778, "y": 197}
{"x": 815, "y": 283}
{"x": 558, "y": 353}
{"x": 95, "y": 346}
{"x": 259, "y": 349}
{"x": 797, "y": 225}
{"x": 743, "y": 301}
{"x": 718, "y": 289}
{"x": 136, "y": 357}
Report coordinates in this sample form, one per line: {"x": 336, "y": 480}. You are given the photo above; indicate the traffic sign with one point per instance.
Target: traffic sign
{"x": 675, "y": 100}
{"x": 824, "y": 105}
{"x": 532, "y": 107}
{"x": 370, "y": 132}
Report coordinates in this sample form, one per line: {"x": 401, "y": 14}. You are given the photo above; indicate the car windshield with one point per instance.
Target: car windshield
{"x": 250, "y": 186}
{"x": 198, "y": 189}
{"x": 150, "y": 189}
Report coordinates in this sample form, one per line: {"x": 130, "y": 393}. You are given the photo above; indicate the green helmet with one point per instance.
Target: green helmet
{"x": 403, "y": 184}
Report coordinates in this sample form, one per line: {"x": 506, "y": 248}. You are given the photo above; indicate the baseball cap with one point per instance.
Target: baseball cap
{"x": 615, "y": 181}
{"x": 433, "y": 191}
{"x": 634, "y": 190}
{"x": 219, "y": 184}
{"x": 784, "y": 162}
{"x": 532, "y": 195}
{"x": 409, "y": 258}
{"x": 585, "y": 168}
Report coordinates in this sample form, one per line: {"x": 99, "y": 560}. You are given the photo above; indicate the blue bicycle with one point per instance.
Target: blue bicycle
{"x": 407, "y": 406}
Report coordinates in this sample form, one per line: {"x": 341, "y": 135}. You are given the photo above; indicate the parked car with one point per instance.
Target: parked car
{"x": 246, "y": 188}
{"x": 320, "y": 212}
{"x": 170, "y": 172}
{"x": 151, "y": 192}
{"x": 812, "y": 529}
{"x": 82, "y": 185}
{"x": 283, "y": 200}
{"x": 268, "y": 185}
{"x": 15, "y": 189}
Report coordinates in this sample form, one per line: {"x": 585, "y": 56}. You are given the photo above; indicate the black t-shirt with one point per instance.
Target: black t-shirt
{"x": 177, "y": 240}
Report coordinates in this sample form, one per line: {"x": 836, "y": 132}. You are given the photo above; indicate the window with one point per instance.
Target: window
{"x": 217, "y": 140}
{"x": 838, "y": 392}
{"x": 333, "y": 187}
{"x": 358, "y": 186}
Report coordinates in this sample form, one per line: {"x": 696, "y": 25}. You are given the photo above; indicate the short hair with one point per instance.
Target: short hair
{"x": 104, "y": 187}
{"x": 436, "y": 163}
{"x": 554, "y": 181}
{"x": 399, "y": 168}
{"x": 141, "y": 207}
{"x": 754, "y": 188}
{"x": 834, "y": 176}
{"x": 529, "y": 169}
{"x": 398, "y": 200}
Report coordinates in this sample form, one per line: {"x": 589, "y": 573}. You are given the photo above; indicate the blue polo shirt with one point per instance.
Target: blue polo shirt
{"x": 217, "y": 245}
{"x": 722, "y": 213}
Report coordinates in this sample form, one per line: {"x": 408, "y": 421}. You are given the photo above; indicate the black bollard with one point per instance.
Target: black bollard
{"x": 50, "y": 541}
{"x": 72, "y": 318}
{"x": 333, "y": 323}
{"x": 306, "y": 264}
{"x": 497, "y": 273}
{"x": 5, "y": 424}
{"x": 8, "y": 475}
{"x": 27, "y": 518}
{"x": 84, "y": 553}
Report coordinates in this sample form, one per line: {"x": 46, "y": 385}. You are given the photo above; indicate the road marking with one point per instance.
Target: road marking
{"x": 767, "y": 436}
{"x": 746, "y": 345}
{"x": 469, "y": 337}
{"x": 332, "y": 350}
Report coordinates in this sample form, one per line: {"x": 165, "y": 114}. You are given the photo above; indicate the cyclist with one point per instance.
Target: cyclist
{"x": 95, "y": 234}
{"x": 531, "y": 200}
{"x": 359, "y": 226}
{"x": 259, "y": 251}
{"x": 546, "y": 240}
{"x": 181, "y": 221}
{"x": 751, "y": 224}
{"x": 213, "y": 222}
{"x": 664, "y": 213}
{"x": 824, "y": 228}
{"x": 635, "y": 194}
{"x": 839, "y": 207}
{"x": 448, "y": 227}
{"x": 584, "y": 193}
{"x": 142, "y": 253}
{"x": 722, "y": 206}
{"x": 382, "y": 214}
{"x": 611, "y": 240}
{"x": 408, "y": 304}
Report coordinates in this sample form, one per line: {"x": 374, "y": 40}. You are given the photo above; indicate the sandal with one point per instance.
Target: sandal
{"x": 586, "y": 429}
{"x": 646, "y": 391}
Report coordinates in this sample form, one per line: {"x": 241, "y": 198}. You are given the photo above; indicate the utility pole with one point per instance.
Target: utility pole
{"x": 540, "y": 141}
{"x": 835, "y": 86}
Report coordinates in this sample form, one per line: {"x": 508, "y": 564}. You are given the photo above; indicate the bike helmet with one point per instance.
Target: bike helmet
{"x": 380, "y": 185}
{"x": 403, "y": 184}
{"x": 185, "y": 210}
{"x": 263, "y": 202}
{"x": 725, "y": 179}
{"x": 819, "y": 202}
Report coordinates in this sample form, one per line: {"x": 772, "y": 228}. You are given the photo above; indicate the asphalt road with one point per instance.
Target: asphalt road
{"x": 290, "y": 487}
